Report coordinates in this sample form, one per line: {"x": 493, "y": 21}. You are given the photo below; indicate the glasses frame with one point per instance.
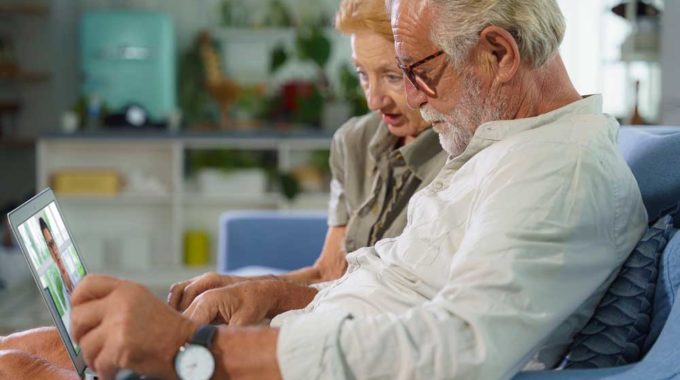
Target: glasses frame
{"x": 419, "y": 83}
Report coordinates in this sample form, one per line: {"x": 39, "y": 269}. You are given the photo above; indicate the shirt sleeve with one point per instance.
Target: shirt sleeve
{"x": 540, "y": 242}
{"x": 338, "y": 215}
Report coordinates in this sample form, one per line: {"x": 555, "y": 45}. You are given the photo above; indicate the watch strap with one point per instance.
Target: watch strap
{"x": 204, "y": 336}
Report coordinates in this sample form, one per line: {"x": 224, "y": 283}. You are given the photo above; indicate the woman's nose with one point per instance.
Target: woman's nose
{"x": 375, "y": 97}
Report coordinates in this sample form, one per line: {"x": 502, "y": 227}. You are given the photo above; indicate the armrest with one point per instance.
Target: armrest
{"x": 626, "y": 372}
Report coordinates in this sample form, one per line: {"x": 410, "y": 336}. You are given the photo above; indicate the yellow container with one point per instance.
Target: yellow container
{"x": 86, "y": 182}
{"x": 196, "y": 248}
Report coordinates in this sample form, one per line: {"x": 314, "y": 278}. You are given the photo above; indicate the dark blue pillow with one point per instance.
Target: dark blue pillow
{"x": 667, "y": 286}
{"x": 616, "y": 333}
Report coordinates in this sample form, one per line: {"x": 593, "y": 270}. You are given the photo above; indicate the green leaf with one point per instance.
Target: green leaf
{"x": 278, "y": 58}
{"x": 312, "y": 44}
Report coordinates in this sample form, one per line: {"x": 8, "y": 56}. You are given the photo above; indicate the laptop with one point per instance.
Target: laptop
{"x": 56, "y": 266}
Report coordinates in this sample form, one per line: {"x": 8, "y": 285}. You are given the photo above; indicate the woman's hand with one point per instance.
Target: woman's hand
{"x": 182, "y": 294}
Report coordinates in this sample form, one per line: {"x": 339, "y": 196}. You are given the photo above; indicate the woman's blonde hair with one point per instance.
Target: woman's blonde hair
{"x": 363, "y": 15}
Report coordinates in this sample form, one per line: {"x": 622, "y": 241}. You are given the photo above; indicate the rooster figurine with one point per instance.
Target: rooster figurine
{"x": 223, "y": 90}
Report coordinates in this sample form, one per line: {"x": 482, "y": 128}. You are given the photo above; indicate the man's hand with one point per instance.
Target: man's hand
{"x": 248, "y": 302}
{"x": 182, "y": 294}
{"x": 120, "y": 324}
{"x": 241, "y": 304}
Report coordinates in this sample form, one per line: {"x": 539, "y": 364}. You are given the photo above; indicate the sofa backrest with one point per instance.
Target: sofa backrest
{"x": 653, "y": 154}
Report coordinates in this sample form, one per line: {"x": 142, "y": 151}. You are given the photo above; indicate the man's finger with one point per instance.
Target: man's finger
{"x": 176, "y": 293}
{"x": 93, "y": 287}
{"x": 190, "y": 293}
{"x": 87, "y": 316}
{"x": 202, "y": 311}
{"x": 106, "y": 363}
{"x": 92, "y": 345}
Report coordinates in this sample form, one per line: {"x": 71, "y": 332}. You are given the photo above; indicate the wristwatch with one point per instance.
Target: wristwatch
{"x": 194, "y": 361}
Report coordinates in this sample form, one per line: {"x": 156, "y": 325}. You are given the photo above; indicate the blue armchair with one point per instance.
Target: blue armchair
{"x": 258, "y": 242}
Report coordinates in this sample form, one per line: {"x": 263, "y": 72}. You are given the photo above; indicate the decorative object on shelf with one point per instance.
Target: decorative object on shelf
{"x": 255, "y": 14}
{"x": 290, "y": 188}
{"x": 636, "y": 118}
{"x": 70, "y": 121}
{"x": 223, "y": 172}
{"x": 95, "y": 182}
{"x": 140, "y": 182}
{"x": 319, "y": 105}
{"x": 194, "y": 100}
{"x": 222, "y": 89}
{"x": 252, "y": 181}
{"x": 8, "y": 64}
{"x": 196, "y": 248}
{"x": 642, "y": 44}
{"x": 9, "y": 110}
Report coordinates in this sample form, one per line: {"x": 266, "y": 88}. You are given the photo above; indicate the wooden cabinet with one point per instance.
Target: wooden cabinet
{"x": 138, "y": 233}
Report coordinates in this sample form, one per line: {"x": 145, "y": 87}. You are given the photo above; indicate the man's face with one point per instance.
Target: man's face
{"x": 54, "y": 250}
{"x": 461, "y": 102}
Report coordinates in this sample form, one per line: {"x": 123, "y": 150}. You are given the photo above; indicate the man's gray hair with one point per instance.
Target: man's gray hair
{"x": 537, "y": 25}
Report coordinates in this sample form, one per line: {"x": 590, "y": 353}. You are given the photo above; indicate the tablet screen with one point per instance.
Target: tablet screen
{"x": 54, "y": 259}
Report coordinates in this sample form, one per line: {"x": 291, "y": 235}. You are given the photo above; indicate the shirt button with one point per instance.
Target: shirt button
{"x": 437, "y": 186}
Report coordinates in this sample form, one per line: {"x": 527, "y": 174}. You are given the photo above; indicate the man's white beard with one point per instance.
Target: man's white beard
{"x": 460, "y": 124}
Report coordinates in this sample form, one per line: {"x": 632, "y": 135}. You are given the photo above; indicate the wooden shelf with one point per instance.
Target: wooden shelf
{"x": 16, "y": 143}
{"x": 117, "y": 200}
{"x": 24, "y": 9}
{"x": 26, "y": 76}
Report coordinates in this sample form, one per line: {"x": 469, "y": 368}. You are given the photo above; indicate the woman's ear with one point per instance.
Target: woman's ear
{"x": 499, "y": 52}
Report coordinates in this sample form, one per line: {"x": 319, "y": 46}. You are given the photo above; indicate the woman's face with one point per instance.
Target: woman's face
{"x": 383, "y": 85}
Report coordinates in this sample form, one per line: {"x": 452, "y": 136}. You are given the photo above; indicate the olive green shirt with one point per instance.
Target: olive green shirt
{"x": 373, "y": 180}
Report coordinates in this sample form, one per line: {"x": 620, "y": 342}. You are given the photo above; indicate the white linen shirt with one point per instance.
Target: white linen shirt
{"x": 503, "y": 259}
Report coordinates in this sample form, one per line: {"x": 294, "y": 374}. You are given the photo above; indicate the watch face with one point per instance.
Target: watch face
{"x": 194, "y": 362}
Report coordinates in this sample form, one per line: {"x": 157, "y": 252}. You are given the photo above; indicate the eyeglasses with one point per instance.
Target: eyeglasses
{"x": 416, "y": 80}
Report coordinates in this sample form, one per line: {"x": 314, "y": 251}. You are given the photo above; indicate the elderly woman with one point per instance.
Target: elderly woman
{"x": 378, "y": 161}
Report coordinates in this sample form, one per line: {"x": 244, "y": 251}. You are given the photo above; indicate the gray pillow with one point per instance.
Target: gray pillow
{"x": 616, "y": 333}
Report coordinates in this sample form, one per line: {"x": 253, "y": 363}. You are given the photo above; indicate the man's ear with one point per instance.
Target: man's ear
{"x": 499, "y": 51}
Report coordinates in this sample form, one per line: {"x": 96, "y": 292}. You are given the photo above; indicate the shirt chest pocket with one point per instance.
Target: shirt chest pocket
{"x": 421, "y": 244}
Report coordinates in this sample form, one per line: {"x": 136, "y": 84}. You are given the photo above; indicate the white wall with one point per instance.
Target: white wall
{"x": 670, "y": 62}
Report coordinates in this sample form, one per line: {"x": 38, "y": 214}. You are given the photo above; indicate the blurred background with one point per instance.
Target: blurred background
{"x": 149, "y": 118}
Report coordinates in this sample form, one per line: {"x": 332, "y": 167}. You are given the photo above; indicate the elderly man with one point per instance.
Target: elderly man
{"x": 504, "y": 256}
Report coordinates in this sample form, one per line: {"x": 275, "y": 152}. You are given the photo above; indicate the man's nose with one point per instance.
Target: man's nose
{"x": 414, "y": 97}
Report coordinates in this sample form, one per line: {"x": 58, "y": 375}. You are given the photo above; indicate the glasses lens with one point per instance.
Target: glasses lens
{"x": 419, "y": 83}
{"x": 422, "y": 85}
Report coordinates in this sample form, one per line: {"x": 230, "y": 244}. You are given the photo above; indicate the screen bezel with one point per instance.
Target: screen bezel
{"x": 16, "y": 218}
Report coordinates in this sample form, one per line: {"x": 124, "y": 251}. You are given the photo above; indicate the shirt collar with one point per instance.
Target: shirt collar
{"x": 417, "y": 154}
{"x": 494, "y": 131}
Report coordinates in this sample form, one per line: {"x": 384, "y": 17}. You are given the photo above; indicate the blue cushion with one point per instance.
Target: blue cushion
{"x": 653, "y": 155}
{"x": 616, "y": 333}
{"x": 667, "y": 287}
